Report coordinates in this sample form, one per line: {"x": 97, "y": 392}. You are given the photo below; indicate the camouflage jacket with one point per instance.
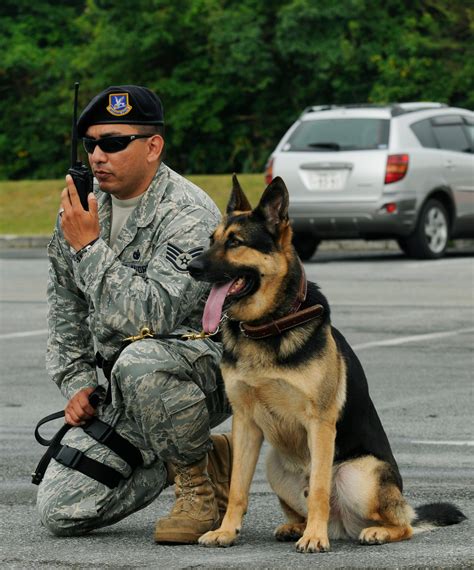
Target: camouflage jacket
{"x": 112, "y": 293}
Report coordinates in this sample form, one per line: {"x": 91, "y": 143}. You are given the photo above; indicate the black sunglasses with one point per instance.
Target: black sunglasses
{"x": 111, "y": 144}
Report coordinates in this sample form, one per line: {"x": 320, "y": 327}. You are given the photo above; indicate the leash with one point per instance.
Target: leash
{"x": 54, "y": 444}
{"x": 78, "y": 460}
{"x": 147, "y": 332}
{"x": 98, "y": 430}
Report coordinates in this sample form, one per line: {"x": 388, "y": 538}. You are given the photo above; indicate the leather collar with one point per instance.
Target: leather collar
{"x": 274, "y": 328}
{"x": 294, "y": 318}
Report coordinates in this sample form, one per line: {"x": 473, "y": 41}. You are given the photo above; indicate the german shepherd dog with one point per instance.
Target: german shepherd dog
{"x": 293, "y": 379}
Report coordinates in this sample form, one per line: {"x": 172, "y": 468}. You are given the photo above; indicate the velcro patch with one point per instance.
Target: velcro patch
{"x": 179, "y": 259}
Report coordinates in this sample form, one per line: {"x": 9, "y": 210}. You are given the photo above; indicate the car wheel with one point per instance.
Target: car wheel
{"x": 305, "y": 244}
{"x": 430, "y": 238}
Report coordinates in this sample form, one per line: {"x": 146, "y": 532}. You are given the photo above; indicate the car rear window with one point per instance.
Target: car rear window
{"x": 424, "y": 133}
{"x": 452, "y": 137}
{"x": 327, "y": 135}
{"x": 470, "y": 130}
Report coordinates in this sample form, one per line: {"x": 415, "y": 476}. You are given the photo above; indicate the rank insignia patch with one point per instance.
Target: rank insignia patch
{"x": 179, "y": 259}
{"x": 118, "y": 104}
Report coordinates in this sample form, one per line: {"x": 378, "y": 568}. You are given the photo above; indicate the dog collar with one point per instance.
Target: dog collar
{"x": 294, "y": 318}
{"x": 302, "y": 291}
{"x": 274, "y": 328}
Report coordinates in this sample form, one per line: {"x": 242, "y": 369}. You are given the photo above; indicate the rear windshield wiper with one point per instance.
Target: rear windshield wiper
{"x": 328, "y": 145}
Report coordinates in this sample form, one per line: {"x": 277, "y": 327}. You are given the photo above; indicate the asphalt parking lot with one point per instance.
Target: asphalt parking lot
{"x": 412, "y": 325}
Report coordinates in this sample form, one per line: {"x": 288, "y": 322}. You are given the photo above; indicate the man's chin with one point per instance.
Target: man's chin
{"x": 106, "y": 187}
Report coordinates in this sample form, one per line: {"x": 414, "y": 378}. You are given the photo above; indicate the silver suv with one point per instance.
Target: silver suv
{"x": 402, "y": 171}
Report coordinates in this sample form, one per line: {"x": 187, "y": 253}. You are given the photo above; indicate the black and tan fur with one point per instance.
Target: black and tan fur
{"x": 305, "y": 392}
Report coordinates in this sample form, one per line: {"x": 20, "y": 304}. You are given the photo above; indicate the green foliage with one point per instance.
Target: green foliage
{"x": 232, "y": 74}
{"x": 30, "y": 207}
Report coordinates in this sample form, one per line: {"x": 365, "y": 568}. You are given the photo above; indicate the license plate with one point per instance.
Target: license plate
{"x": 327, "y": 179}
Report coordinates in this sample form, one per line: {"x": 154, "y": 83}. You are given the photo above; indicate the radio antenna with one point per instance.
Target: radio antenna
{"x": 74, "y": 159}
{"x": 81, "y": 175}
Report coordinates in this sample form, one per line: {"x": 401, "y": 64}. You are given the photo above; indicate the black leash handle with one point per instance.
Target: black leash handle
{"x": 54, "y": 443}
{"x": 47, "y": 442}
{"x": 95, "y": 398}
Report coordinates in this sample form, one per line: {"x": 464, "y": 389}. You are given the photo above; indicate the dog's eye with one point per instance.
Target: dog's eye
{"x": 233, "y": 241}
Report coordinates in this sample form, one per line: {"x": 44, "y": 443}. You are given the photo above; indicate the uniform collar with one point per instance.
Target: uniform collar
{"x": 146, "y": 209}
{"x": 143, "y": 214}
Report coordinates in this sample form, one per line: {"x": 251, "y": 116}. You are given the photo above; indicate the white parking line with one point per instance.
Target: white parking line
{"x": 429, "y": 442}
{"x": 414, "y": 338}
{"x": 23, "y": 334}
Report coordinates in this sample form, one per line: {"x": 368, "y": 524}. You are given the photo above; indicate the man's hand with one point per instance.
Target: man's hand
{"x": 78, "y": 410}
{"x": 79, "y": 226}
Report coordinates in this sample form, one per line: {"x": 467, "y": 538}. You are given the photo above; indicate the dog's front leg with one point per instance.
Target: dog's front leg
{"x": 247, "y": 440}
{"x": 321, "y": 440}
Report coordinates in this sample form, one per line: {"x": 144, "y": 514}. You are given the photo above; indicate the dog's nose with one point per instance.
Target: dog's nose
{"x": 196, "y": 268}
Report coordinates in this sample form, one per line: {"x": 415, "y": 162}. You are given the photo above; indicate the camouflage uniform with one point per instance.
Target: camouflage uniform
{"x": 166, "y": 394}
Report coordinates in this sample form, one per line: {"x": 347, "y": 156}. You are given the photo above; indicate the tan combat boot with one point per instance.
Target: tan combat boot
{"x": 195, "y": 511}
{"x": 219, "y": 467}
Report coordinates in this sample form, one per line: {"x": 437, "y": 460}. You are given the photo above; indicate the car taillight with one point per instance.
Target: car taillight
{"x": 269, "y": 171}
{"x": 397, "y": 167}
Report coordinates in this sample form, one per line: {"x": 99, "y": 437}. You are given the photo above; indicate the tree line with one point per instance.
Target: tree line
{"x": 232, "y": 74}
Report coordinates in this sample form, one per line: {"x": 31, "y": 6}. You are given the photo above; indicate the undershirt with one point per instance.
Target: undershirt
{"x": 121, "y": 210}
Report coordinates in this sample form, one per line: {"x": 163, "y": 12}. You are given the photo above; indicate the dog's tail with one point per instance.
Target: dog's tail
{"x": 428, "y": 517}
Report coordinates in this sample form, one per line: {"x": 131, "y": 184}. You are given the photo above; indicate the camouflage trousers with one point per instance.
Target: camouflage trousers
{"x": 165, "y": 399}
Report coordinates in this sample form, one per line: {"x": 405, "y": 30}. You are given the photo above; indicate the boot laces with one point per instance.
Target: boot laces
{"x": 185, "y": 491}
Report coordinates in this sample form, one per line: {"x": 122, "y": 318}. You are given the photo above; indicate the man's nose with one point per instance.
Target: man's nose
{"x": 98, "y": 155}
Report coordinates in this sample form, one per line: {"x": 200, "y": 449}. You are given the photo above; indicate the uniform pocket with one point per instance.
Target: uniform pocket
{"x": 189, "y": 419}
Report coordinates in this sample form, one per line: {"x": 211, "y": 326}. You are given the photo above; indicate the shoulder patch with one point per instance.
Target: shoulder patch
{"x": 179, "y": 259}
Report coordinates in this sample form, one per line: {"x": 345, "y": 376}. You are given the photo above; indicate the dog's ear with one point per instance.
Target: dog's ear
{"x": 273, "y": 205}
{"x": 238, "y": 200}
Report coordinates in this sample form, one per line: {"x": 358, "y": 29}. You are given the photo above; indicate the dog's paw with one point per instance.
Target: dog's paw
{"x": 289, "y": 532}
{"x": 308, "y": 543}
{"x": 218, "y": 537}
{"x": 374, "y": 535}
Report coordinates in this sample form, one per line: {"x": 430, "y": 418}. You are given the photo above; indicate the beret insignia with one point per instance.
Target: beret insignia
{"x": 118, "y": 104}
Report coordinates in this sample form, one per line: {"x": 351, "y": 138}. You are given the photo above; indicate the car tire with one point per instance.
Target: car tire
{"x": 305, "y": 244}
{"x": 431, "y": 236}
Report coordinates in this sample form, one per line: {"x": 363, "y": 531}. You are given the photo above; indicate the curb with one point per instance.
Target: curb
{"x": 9, "y": 241}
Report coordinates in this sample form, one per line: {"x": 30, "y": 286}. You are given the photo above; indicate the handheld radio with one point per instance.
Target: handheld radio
{"x": 81, "y": 175}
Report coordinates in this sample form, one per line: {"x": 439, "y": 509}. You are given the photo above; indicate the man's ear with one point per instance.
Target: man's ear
{"x": 238, "y": 200}
{"x": 156, "y": 144}
{"x": 273, "y": 205}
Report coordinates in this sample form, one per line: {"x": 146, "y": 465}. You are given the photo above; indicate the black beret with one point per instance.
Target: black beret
{"x": 123, "y": 104}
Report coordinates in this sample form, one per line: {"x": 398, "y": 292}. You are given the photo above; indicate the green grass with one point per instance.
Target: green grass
{"x": 29, "y": 207}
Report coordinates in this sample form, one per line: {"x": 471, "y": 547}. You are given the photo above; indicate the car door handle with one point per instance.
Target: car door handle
{"x": 450, "y": 164}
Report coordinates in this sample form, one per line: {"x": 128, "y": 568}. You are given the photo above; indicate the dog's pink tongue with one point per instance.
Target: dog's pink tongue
{"x": 213, "y": 309}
